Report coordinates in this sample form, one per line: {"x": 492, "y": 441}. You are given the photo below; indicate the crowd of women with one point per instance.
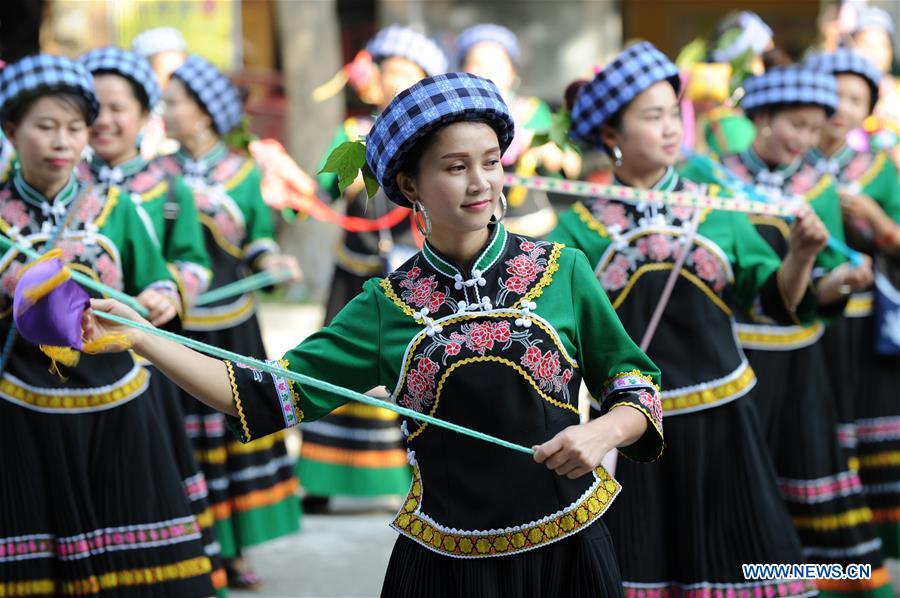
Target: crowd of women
{"x": 745, "y": 364}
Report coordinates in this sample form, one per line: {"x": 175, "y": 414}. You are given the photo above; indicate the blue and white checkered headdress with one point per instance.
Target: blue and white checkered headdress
{"x": 44, "y": 72}
{"x": 487, "y": 32}
{"x": 872, "y": 17}
{"x": 125, "y": 64}
{"x": 219, "y": 96}
{"x": 422, "y": 109}
{"x": 845, "y": 60}
{"x": 159, "y": 39}
{"x": 631, "y": 72}
{"x": 755, "y": 36}
{"x": 790, "y": 85}
{"x": 403, "y": 42}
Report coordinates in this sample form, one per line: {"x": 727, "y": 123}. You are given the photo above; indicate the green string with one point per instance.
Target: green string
{"x": 81, "y": 279}
{"x": 257, "y": 281}
{"x": 301, "y": 379}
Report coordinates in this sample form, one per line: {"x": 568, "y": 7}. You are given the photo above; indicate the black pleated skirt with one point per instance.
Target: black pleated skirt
{"x": 685, "y": 524}
{"x": 93, "y": 504}
{"x": 253, "y": 491}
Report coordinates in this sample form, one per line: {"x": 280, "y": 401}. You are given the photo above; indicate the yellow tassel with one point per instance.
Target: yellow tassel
{"x": 121, "y": 341}
{"x": 60, "y": 355}
{"x": 39, "y": 291}
{"x": 332, "y": 87}
{"x": 52, "y": 254}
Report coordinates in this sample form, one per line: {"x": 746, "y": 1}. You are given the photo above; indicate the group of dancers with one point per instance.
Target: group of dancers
{"x": 744, "y": 365}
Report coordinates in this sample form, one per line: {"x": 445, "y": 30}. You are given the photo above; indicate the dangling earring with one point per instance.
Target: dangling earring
{"x": 423, "y": 224}
{"x": 617, "y": 155}
{"x": 503, "y": 207}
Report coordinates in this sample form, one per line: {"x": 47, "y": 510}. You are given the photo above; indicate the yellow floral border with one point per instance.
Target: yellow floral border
{"x": 516, "y": 539}
{"x": 62, "y": 402}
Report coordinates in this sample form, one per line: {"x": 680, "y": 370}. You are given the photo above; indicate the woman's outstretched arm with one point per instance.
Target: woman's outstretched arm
{"x": 203, "y": 377}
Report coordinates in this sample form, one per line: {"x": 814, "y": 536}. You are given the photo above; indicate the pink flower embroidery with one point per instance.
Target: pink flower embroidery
{"x": 480, "y": 337}
{"x": 655, "y": 247}
{"x": 109, "y": 272}
{"x": 523, "y": 266}
{"x": 517, "y": 285}
{"x": 526, "y": 245}
{"x": 435, "y": 301}
{"x": 11, "y": 278}
{"x": 613, "y": 214}
{"x": 532, "y": 357}
{"x": 501, "y": 332}
{"x": 90, "y": 207}
{"x": 549, "y": 366}
{"x": 653, "y": 405}
{"x": 70, "y": 249}
{"x": 413, "y": 273}
{"x": 227, "y": 227}
{"x": 428, "y": 367}
{"x": 420, "y": 385}
{"x": 682, "y": 213}
{"x": 705, "y": 265}
{"x": 15, "y": 213}
{"x": 857, "y": 166}
{"x": 143, "y": 182}
{"x": 453, "y": 348}
{"x": 202, "y": 200}
{"x": 567, "y": 376}
{"x": 614, "y": 278}
{"x": 227, "y": 168}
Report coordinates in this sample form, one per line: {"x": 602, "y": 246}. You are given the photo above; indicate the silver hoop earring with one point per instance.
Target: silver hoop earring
{"x": 423, "y": 224}
{"x": 617, "y": 155}
{"x": 503, "y": 207}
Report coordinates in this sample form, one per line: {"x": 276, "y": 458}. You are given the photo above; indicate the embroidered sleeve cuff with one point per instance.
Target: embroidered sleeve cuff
{"x": 636, "y": 390}
{"x": 774, "y": 305}
{"x": 193, "y": 280}
{"x": 257, "y": 249}
{"x": 265, "y": 403}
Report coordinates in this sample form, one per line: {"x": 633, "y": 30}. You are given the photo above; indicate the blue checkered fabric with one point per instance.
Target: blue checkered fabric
{"x": 631, "y": 72}
{"x": 47, "y": 72}
{"x": 790, "y": 85}
{"x": 220, "y": 98}
{"x": 403, "y": 42}
{"x": 125, "y": 64}
{"x": 423, "y": 108}
{"x": 845, "y": 60}
{"x": 755, "y": 36}
{"x": 487, "y": 32}
{"x": 872, "y": 17}
{"x": 159, "y": 39}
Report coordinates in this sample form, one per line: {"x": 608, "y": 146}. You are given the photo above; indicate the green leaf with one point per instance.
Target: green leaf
{"x": 346, "y": 161}
{"x": 558, "y": 133}
{"x": 692, "y": 53}
{"x": 371, "y": 182}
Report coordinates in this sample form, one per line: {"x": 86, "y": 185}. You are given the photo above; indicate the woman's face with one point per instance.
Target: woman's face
{"x": 49, "y": 141}
{"x": 875, "y": 45}
{"x": 396, "y": 75}
{"x": 651, "y": 130}
{"x": 490, "y": 60}
{"x": 184, "y": 118}
{"x": 114, "y": 134}
{"x": 854, "y": 100}
{"x": 787, "y": 135}
{"x": 460, "y": 178}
